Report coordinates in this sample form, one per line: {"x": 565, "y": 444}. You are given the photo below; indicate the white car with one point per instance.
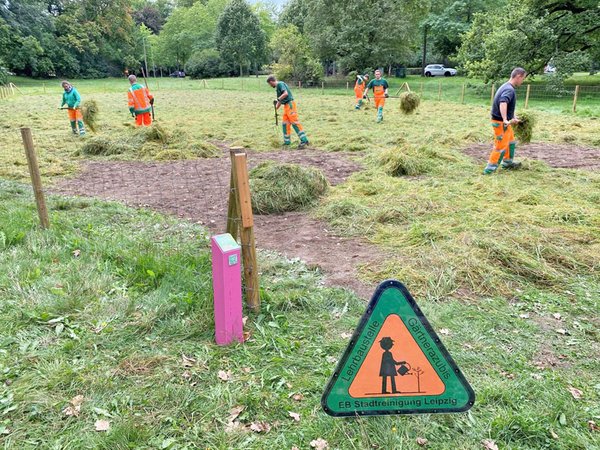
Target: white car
{"x": 438, "y": 70}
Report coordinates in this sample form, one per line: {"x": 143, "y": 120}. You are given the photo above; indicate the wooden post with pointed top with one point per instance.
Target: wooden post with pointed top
{"x": 575, "y": 96}
{"x": 527, "y": 96}
{"x": 36, "y": 179}
{"x": 462, "y": 94}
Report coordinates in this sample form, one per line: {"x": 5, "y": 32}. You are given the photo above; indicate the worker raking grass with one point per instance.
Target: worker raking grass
{"x": 72, "y": 99}
{"x": 380, "y": 93}
{"x": 359, "y": 89}
{"x": 140, "y": 102}
{"x": 290, "y": 112}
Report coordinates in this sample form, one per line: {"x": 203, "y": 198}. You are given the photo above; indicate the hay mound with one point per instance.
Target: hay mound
{"x": 102, "y": 146}
{"x": 155, "y": 133}
{"x": 278, "y": 188}
{"x": 409, "y": 102}
{"x": 89, "y": 111}
{"x": 524, "y": 128}
{"x": 405, "y": 160}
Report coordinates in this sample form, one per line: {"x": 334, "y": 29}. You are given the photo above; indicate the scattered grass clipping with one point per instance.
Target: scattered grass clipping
{"x": 278, "y": 188}
{"x": 524, "y": 128}
{"x": 89, "y": 110}
{"x": 409, "y": 102}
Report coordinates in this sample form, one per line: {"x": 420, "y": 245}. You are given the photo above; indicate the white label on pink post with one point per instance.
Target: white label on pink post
{"x": 227, "y": 287}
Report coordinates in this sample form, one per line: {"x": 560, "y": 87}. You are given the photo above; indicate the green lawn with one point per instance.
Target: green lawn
{"x": 109, "y": 301}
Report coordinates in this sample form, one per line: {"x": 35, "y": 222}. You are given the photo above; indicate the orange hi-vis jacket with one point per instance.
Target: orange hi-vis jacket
{"x": 139, "y": 99}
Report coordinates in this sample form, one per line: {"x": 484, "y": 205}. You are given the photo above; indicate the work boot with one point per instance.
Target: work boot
{"x": 510, "y": 164}
{"x": 303, "y": 144}
{"x": 490, "y": 169}
{"x": 74, "y": 128}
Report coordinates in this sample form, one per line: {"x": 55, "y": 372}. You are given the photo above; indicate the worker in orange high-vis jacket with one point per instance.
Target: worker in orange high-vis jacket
{"x": 380, "y": 93}
{"x": 503, "y": 118}
{"x": 290, "y": 113}
{"x": 359, "y": 89}
{"x": 140, "y": 102}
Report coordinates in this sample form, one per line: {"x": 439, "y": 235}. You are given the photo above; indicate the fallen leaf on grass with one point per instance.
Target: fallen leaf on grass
{"x": 187, "y": 361}
{"x": 74, "y": 407}
{"x": 422, "y": 441}
{"x": 186, "y": 375}
{"x": 232, "y": 423}
{"x": 331, "y": 359}
{"x": 247, "y": 335}
{"x": 445, "y": 331}
{"x": 260, "y": 427}
{"x": 524, "y": 316}
{"x": 244, "y": 320}
{"x": 102, "y": 425}
{"x": 319, "y": 444}
{"x": 247, "y": 370}
{"x": 562, "y": 419}
{"x": 488, "y": 444}
{"x": 536, "y": 376}
{"x": 346, "y": 335}
{"x": 592, "y": 426}
{"x": 553, "y": 434}
{"x": 224, "y": 376}
{"x": 76, "y": 253}
{"x": 576, "y": 393}
{"x": 557, "y": 316}
{"x": 294, "y": 416}
{"x": 297, "y": 397}
{"x": 563, "y": 332}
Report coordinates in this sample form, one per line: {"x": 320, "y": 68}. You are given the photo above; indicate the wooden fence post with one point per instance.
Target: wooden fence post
{"x": 462, "y": 94}
{"x": 347, "y": 85}
{"x": 493, "y": 93}
{"x": 36, "y": 179}
{"x": 241, "y": 219}
{"x": 527, "y": 96}
{"x": 439, "y": 91}
{"x": 575, "y": 96}
{"x": 322, "y": 88}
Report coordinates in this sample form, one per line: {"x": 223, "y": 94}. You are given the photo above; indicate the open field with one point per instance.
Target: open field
{"x": 114, "y": 303}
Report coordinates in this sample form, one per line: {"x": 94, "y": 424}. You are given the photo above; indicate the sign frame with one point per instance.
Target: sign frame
{"x": 394, "y": 284}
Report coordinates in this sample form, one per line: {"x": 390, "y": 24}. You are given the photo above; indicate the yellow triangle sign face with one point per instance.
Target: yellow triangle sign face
{"x": 396, "y": 364}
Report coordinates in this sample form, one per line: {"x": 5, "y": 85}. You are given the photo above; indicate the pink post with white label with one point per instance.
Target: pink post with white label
{"x": 227, "y": 287}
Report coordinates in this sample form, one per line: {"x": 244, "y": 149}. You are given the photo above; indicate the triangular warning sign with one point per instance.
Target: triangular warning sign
{"x": 396, "y": 364}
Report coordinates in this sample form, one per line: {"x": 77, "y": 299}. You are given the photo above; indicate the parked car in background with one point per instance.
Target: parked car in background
{"x": 438, "y": 70}
{"x": 178, "y": 74}
{"x": 549, "y": 68}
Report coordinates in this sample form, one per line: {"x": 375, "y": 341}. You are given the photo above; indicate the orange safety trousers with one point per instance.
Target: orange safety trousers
{"x": 143, "y": 119}
{"x": 504, "y": 138}
{"x": 290, "y": 115}
{"x": 359, "y": 91}
{"x": 379, "y": 95}
{"x": 75, "y": 114}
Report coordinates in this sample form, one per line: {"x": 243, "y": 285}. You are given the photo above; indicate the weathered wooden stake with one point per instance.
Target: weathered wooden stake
{"x": 462, "y": 94}
{"x": 493, "y": 93}
{"x": 36, "y": 179}
{"x": 322, "y": 88}
{"x": 347, "y": 85}
{"x": 527, "y": 96}
{"x": 575, "y": 96}
{"x": 439, "y": 91}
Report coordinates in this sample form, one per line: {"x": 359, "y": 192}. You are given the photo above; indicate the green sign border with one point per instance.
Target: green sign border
{"x": 388, "y": 284}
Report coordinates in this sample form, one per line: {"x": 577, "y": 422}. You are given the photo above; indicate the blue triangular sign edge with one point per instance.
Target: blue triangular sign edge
{"x": 354, "y": 339}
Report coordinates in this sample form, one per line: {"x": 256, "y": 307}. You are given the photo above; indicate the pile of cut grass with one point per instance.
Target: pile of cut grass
{"x": 409, "y": 102}
{"x": 139, "y": 142}
{"x": 405, "y": 160}
{"x": 524, "y": 127}
{"x": 278, "y": 188}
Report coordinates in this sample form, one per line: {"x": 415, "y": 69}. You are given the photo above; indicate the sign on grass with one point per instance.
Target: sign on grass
{"x": 396, "y": 364}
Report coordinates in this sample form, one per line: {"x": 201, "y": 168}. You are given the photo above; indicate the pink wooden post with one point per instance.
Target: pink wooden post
{"x": 227, "y": 286}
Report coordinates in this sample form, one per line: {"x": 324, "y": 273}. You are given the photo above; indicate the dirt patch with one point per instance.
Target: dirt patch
{"x": 566, "y": 156}
{"x": 198, "y": 190}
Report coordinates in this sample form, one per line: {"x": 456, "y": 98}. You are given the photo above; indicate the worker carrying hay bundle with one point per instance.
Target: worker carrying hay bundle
{"x": 359, "y": 89}
{"x": 503, "y": 118}
{"x": 72, "y": 99}
{"x": 140, "y": 103}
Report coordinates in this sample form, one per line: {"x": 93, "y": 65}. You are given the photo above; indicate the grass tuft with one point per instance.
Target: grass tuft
{"x": 524, "y": 128}
{"x": 405, "y": 160}
{"x": 279, "y": 188}
{"x": 89, "y": 110}
{"x": 409, "y": 102}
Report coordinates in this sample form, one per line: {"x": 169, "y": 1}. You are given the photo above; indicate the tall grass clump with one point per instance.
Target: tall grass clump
{"x": 89, "y": 110}
{"x": 524, "y": 128}
{"x": 278, "y": 188}
{"x": 409, "y": 102}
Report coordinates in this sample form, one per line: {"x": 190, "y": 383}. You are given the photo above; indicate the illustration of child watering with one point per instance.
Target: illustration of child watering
{"x": 388, "y": 366}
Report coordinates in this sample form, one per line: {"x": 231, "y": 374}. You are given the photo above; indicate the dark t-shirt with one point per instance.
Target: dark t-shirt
{"x": 506, "y": 94}
{"x": 281, "y": 88}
